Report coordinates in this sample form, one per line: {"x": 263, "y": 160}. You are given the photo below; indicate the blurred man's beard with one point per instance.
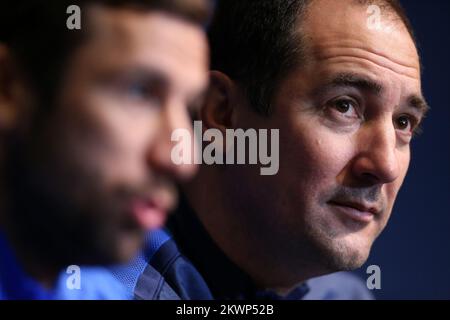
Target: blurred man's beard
{"x": 62, "y": 226}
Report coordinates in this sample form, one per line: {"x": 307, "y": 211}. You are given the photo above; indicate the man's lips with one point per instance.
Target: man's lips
{"x": 356, "y": 210}
{"x": 148, "y": 214}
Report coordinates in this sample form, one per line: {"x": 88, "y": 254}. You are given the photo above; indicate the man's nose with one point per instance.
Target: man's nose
{"x": 377, "y": 159}
{"x": 159, "y": 153}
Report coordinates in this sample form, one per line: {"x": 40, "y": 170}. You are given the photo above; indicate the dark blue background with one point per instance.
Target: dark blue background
{"x": 414, "y": 250}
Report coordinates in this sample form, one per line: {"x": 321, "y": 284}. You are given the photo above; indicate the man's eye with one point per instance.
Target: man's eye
{"x": 404, "y": 123}
{"x": 344, "y": 107}
{"x": 137, "y": 91}
{"x": 142, "y": 93}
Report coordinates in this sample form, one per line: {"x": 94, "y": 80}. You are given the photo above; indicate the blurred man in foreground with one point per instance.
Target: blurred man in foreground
{"x": 86, "y": 117}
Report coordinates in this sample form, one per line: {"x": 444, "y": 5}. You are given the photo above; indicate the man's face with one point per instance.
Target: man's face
{"x": 106, "y": 149}
{"x": 346, "y": 118}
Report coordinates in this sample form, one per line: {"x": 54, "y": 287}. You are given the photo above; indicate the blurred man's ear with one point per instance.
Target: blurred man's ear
{"x": 221, "y": 100}
{"x": 11, "y": 91}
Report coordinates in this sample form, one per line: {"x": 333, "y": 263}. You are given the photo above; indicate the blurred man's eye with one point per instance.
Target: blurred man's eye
{"x": 137, "y": 91}
{"x": 136, "y": 88}
{"x": 142, "y": 93}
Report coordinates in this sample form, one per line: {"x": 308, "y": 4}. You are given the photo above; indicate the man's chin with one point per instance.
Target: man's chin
{"x": 342, "y": 249}
{"x": 341, "y": 256}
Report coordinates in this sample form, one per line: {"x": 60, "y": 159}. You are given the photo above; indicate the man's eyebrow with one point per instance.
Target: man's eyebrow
{"x": 146, "y": 75}
{"x": 353, "y": 80}
{"x": 418, "y": 103}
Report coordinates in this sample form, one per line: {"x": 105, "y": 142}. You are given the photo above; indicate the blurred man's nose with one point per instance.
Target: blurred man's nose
{"x": 377, "y": 160}
{"x": 159, "y": 153}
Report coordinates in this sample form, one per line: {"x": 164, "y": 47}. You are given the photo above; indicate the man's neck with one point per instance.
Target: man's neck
{"x": 211, "y": 208}
{"x": 225, "y": 279}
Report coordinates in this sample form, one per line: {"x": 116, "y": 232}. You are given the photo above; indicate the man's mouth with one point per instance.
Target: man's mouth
{"x": 148, "y": 214}
{"x": 357, "y": 211}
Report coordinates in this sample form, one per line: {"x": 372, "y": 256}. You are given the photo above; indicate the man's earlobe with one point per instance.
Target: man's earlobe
{"x": 11, "y": 91}
{"x": 217, "y": 110}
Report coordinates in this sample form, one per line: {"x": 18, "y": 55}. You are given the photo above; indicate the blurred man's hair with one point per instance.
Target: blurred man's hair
{"x": 36, "y": 33}
{"x": 256, "y": 42}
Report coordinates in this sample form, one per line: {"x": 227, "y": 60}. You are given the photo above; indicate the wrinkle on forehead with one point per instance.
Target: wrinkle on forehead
{"x": 363, "y": 57}
{"x": 358, "y": 50}
{"x": 340, "y": 28}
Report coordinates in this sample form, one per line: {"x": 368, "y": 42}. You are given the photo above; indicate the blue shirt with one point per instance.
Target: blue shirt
{"x": 142, "y": 280}
{"x": 96, "y": 283}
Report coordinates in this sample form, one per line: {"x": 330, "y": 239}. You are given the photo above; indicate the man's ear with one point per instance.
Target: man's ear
{"x": 11, "y": 91}
{"x": 221, "y": 99}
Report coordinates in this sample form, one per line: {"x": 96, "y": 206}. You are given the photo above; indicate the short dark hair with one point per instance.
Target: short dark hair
{"x": 35, "y": 32}
{"x": 255, "y": 42}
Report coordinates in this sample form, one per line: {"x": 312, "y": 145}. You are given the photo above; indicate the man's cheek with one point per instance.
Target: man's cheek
{"x": 122, "y": 168}
{"x": 329, "y": 154}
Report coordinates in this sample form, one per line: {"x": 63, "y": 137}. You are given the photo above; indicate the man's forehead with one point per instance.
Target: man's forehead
{"x": 153, "y": 38}
{"x": 131, "y": 25}
{"x": 333, "y": 25}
